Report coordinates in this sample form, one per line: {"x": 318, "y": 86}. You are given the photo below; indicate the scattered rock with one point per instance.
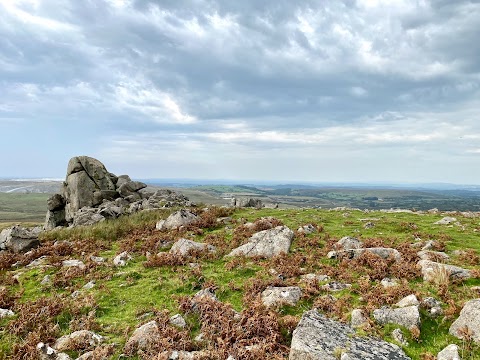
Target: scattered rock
{"x": 45, "y": 352}
{"x": 446, "y": 221}
{"x": 280, "y": 296}
{"x": 266, "y": 243}
{"x": 317, "y": 337}
{"x": 388, "y": 282}
{"x": 358, "y": 318}
{"x": 369, "y": 225}
{"x": 19, "y": 239}
{"x": 184, "y": 247}
{"x": 406, "y": 316}
{"x": 40, "y": 262}
{"x": 82, "y": 338}
{"x": 122, "y": 259}
{"x": 178, "y": 321}
{"x": 433, "y": 306}
{"x": 73, "y": 263}
{"x": 336, "y": 286}
{"x": 384, "y": 253}
{"x": 449, "y": 353}
{"x": 429, "y": 245}
{"x": 89, "y": 285}
{"x": 469, "y": 319}
{"x": 432, "y": 270}
{"x": 398, "y": 336}
{"x": 247, "y": 202}
{"x": 97, "y": 259}
{"x": 348, "y": 242}
{"x": 319, "y": 278}
{"x": 6, "y": 313}
{"x": 410, "y": 300}
{"x": 47, "y": 280}
{"x": 433, "y": 255}
{"x": 307, "y": 229}
{"x": 143, "y": 337}
{"x": 177, "y": 219}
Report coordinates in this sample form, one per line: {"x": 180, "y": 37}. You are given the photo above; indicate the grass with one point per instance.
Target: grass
{"x": 125, "y": 297}
{"x": 16, "y": 207}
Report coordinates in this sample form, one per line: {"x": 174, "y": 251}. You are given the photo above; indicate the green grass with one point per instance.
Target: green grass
{"x": 23, "y": 207}
{"x": 124, "y": 295}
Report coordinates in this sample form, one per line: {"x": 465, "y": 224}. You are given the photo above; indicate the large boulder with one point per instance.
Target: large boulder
{"x": 317, "y": 337}
{"x": 266, "y": 243}
{"x": 469, "y": 320}
{"x": 432, "y": 271}
{"x": 176, "y": 220}
{"x": 19, "y": 239}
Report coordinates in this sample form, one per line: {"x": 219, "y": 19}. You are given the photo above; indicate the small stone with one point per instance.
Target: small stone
{"x": 307, "y": 229}
{"x": 73, "y": 263}
{"x": 388, "y": 282}
{"x": 335, "y": 286}
{"x": 178, "y": 321}
{"x": 97, "y": 259}
{"x": 358, "y": 318}
{"x": 122, "y": 259}
{"x": 407, "y": 316}
{"x": 47, "y": 280}
{"x": 348, "y": 242}
{"x": 398, "y": 336}
{"x": 447, "y": 220}
{"x": 409, "y": 300}
{"x": 316, "y": 277}
{"x": 6, "y": 313}
{"x": 89, "y": 285}
{"x": 279, "y": 296}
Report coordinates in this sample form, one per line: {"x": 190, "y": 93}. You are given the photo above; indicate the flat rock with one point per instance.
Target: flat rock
{"x": 317, "y": 277}
{"x": 317, "y": 337}
{"x": 280, "y": 296}
{"x": 430, "y": 270}
{"x": 82, "y": 338}
{"x": 469, "y": 318}
{"x": 383, "y": 253}
{"x": 447, "y": 220}
{"x": 73, "y": 263}
{"x": 433, "y": 255}
{"x": 449, "y": 353}
{"x": 185, "y": 246}
{"x": 266, "y": 243}
{"x": 408, "y": 316}
{"x": 388, "y": 282}
{"x": 410, "y": 300}
{"x": 177, "y": 219}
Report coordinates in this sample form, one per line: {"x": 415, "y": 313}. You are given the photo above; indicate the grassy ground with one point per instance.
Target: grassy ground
{"x": 123, "y": 298}
{"x": 16, "y": 207}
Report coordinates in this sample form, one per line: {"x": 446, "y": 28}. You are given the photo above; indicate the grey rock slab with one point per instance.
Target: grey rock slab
{"x": 469, "y": 319}
{"x": 317, "y": 337}
{"x": 449, "y": 353}
{"x": 433, "y": 255}
{"x": 184, "y": 247}
{"x": 177, "y": 219}
{"x": 447, "y": 220}
{"x": 280, "y": 296}
{"x": 348, "y": 242}
{"x": 178, "y": 321}
{"x": 408, "y": 316}
{"x": 83, "y": 338}
{"x": 410, "y": 300}
{"x": 143, "y": 337}
{"x": 19, "y": 239}
{"x": 358, "y": 318}
{"x": 383, "y": 253}
{"x": 319, "y": 278}
{"x": 73, "y": 263}
{"x": 266, "y": 243}
{"x": 431, "y": 270}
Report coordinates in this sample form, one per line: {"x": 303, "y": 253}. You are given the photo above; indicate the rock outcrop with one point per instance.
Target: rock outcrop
{"x": 19, "y": 239}
{"x": 91, "y": 194}
{"x": 317, "y": 337}
{"x": 247, "y": 202}
{"x": 266, "y": 243}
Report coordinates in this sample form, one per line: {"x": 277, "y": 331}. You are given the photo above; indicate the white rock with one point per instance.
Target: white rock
{"x": 6, "y": 313}
{"x": 408, "y": 301}
{"x": 122, "y": 259}
{"x": 449, "y": 353}
{"x": 73, "y": 263}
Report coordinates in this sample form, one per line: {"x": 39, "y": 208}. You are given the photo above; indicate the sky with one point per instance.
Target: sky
{"x": 314, "y": 91}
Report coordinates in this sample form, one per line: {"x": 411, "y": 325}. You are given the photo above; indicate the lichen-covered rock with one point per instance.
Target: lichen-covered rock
{"x": 266, "y": 243}
{"x": 280, "y": 296}
{"x": 408, "y": 316}
{"x": 432, "y": 270}
{"x": 184, "y": 247}
{"x": 383, "y": 253}
{"x": 358, "y": 318}
{"x": 469, "y": 319}
{"x": 449, "y": 353}
{"x": 177, "y": 219}
{"x": 79, "y": 339}
{"x": 433, "y": 255}
{"x": 317, "y": 337}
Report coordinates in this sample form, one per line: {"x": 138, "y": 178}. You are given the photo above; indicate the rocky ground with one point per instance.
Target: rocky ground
{"x": 220, "y": 283}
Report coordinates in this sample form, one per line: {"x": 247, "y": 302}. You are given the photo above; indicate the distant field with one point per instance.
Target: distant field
{"x": 15, "y": 207}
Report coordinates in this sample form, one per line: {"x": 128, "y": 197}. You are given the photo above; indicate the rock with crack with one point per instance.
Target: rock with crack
{"x": 19, "y": 239}
{"x": 317, "y": 337}
{"x": 449, "y": 353}
{"x": 431, "y": 271}
{"x": 274, "y": 297}
{"x": 185, "y": 247}
{"x": 468, "y": 321}
{"x": 176, "y": 220}
{"x": 266, "y": 243}
{"x": 83, "y": 339}
{"x": 408, "y": 316}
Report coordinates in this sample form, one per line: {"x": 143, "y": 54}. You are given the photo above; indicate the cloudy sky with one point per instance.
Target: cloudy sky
{"x": 347, "y": 91}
